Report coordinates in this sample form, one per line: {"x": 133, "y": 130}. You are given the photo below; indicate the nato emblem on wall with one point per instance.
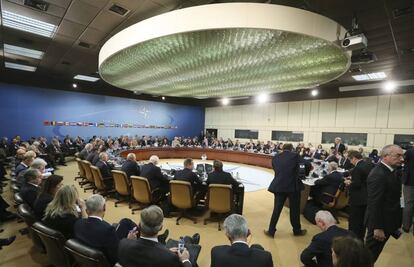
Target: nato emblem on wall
{"x": 232, "y": 49}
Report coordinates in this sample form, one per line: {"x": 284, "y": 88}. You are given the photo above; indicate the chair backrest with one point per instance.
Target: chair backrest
{"x": 54, "y": 242}
{"x": 181, "y": 194}
{"x": 121, "y": 183}
{"x": 18, "y": 198}
{"x": 85, "y": 256}
{"x": 97, "y": 176}
{"x": 220, "y": 198}
{"x": 81, "y": 168}
{"x": 27, "y": 214}
{"x": 141, "y": 189}
{"x": 88, "y": 173}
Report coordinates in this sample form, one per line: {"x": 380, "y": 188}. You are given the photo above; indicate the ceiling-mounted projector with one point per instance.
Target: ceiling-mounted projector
{"x": 355, "y": 42}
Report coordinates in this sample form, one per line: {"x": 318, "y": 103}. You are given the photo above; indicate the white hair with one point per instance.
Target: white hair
{"x": 388, "y": 149}
{"x": 235, "y": 226}
{"x": 325, "y": 216}
{"x": 333, "y": 165}
{"x": 102, "y": 155}
{"x": 95, "y": 203}
{"x": 154, "y": 159}
{"x": 131, "y": 156}
{"x": 38, "y": 163}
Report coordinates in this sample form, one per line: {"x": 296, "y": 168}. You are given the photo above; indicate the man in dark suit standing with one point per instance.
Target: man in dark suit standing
{"x": 286, "y": 185}
{"x": 318, "y": 253}
{"x": 239, "y": 254}
{"x": 339, "y": 147}
{"x": 384, "y": 211}
{"x": 187, "y": 174}
{"x": 31, "y": 187}
{"x": 218, "y": 176}
{"x": 358, "y": 193}
{"x": 408, "y": 182}
{"x": 328, "y": 184}
{"x": 105, "y": 169}
{"x": 154, "y": 175}
{"x": 130, "y": 166}
{"x": 97, "y": 233}
{"x": 146, "y": 250}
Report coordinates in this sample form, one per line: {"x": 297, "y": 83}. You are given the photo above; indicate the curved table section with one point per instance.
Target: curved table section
{"x": 261, "y": 160}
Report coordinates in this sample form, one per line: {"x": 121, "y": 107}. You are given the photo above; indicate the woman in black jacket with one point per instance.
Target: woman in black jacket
{"x": 49, "y": 188}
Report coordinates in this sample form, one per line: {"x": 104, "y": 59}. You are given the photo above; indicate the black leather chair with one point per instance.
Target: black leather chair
{"x": 54, "y": 242}
{"x": 27, "y": 215}
{"x": 85, "y": 256}
{"x": 18, "y": 199}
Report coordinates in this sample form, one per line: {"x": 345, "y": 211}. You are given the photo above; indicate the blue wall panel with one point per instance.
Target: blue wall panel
{"x": 24, "y": 110}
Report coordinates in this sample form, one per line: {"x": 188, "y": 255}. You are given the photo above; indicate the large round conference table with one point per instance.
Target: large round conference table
{"x": 256, "y": 159}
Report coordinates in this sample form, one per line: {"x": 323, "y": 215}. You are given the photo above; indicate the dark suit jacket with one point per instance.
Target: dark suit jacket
{"x": 147, "y": 253}
{"x": 286, "y": 166}
{"x": 240, "y": 255}
{"x": 19, "y": 168}
{"x": 221, "y": 177}
{"x": 409, "y": 167}
{"x": 320, "y": 248}
{"x": 91, "y": 156}
{"x": 328, "y": 184}
{"x": 29, "y": 194}
{"x": 345, "y": 164}
{"x": 154, "y": 176}
{"x": 83, "y": 154}
{"x": 64, "y": 224}
{"x": 130, "y": 167}
{"x": 358, "y": 189}
{"x": 40, "y": 205}
{"x": 341, "y": 148}
{"x": 384, "y": 192}
{"x": 188, "y": 176}
{"x": 104, "y": 168}
{"x": 99, "y": 235}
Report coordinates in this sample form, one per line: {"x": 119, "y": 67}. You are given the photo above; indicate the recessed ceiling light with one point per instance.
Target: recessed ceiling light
{"x": 225, "y": 101}
{"x": 16, "y": 66}
{"x": 23, "y": 23}
{"x": 390, "y": 86}
{"x": 163, "y": 98}
{"x": 21, "y": 51}
{"x": 314, "y": 92}
{"x": 74, "y": 85}
{"x": 86, "y": 78}
{"x": 370, "y": 76}
{"x": 263, "y": 97}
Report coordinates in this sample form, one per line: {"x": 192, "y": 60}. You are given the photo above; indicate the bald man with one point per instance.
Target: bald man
{"x": 130, "y": 166}
{"x": 384, "y": 192}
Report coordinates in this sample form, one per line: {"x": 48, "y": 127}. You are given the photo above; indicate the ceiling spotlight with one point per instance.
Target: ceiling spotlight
{"x": 74, "y": 85}
{"x": 390, "y": 86}
{"x": 314, "y": 92}
{"x": 225, "y": 101}
{"x": 163, "y": 98}
{"x": 262, "y": 98}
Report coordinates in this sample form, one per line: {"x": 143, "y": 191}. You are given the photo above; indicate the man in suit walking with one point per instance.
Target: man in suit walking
{"x": 239, "y": 254}
{"x": 318, "y": 253}
{"x": 130, "y": 166}
{"x": 286, "y": 185}
{"x": 146, "y": 250}
{"x": 384, "y": 211}
{"x": 358, "y": 193}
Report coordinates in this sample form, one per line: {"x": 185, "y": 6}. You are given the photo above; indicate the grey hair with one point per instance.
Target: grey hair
{"x": 95, "y": 203}
{"x": 386, "y": 150}
{"x": 131, "y": 156}
{"x": 154, "y": 159}
{"x": 325, "y": 216}
{"x": 235, "y": 226}
{"x": 38, "y": 163}
{"x": 88, "y": 146}
{"x": 333, "y": 165}
{"x": 101, "y": 155}
{"x": 31, "y": 174}
{"x": 151, "y": 220}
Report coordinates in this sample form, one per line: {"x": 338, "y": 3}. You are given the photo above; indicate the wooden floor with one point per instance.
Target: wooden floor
{"x": 258, "y": 207}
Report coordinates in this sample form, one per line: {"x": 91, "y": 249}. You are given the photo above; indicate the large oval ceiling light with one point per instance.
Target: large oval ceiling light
{"x": 232, "y": 49}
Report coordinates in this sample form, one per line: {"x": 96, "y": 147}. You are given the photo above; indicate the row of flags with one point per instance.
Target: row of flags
{"x": 106, "y": 125}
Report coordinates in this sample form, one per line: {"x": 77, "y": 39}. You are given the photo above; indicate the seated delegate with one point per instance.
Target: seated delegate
{"x": 187, "y": 174}
{"x": 328, "y": 184}
{"x": 130, "y": 166}
{"x": 48, "y": 190}
{"x": 154, "y": 175}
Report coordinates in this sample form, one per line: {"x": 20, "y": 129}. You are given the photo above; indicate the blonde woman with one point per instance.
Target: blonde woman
{"x": 64, "y": 210}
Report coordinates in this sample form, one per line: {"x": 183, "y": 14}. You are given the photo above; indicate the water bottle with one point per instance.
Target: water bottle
{"x": 181, "y": 244}
{"x": 237, "y": 176}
